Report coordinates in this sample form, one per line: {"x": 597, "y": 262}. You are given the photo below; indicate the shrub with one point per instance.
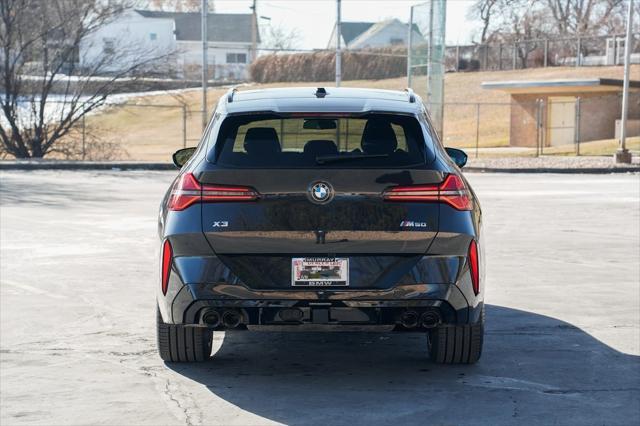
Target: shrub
{"x": 370, "y": 64}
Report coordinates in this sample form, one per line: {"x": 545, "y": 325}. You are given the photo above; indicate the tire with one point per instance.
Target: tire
{"x": 177, "y": 343}
{"x": 457, "y": 344}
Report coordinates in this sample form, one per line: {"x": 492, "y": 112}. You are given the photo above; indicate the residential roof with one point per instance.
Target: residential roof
{"x": 221, "y": 27}
{"x": 564, "y": 86}
{"x": 304, "y": 99}
{"x": 351, "y": 30}
{"x": 378, "y": 27}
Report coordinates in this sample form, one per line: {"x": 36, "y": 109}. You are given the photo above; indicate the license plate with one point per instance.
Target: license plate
{"x": 319, "y": 271}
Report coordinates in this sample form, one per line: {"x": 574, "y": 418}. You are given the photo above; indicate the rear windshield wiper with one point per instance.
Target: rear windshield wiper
{"x": 323, "y": 159}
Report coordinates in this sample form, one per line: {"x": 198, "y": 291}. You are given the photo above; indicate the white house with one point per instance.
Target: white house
{"x": 126, "y": 40}
{"x": 363, "y": 35}
{"x": 229, "y": 39}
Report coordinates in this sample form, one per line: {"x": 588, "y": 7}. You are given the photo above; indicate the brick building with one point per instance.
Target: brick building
{"x": 588, "y": 109}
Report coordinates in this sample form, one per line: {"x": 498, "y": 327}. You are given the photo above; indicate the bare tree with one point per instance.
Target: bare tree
{"x": 527, "y": 28}
{"x": 181, "y": 5}
{"x": 45, "y": 91}
{"x": 561, "y": 17}
{"x": 278, "y": 37}
{"x": 584, "y": 17}
{"x": 484, "y": 11}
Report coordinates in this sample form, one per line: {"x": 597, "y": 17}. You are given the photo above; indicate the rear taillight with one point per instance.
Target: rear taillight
{"x": 167, "y": 259}
{"x": 451, "y": 191}
{"x": 188, "y": 191}
{"x": 185, "y": 192}
{"x": 473, "y": 266}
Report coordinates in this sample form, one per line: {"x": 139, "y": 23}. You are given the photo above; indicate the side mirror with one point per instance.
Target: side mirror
{"x": 181, "y": 156}
{"x": 458, "y": 156}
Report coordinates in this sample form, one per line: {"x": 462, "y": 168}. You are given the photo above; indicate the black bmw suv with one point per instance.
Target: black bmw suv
{"x": 320, "y": 209}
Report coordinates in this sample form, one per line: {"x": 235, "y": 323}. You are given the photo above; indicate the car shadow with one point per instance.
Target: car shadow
{"x": 535, "y": 369}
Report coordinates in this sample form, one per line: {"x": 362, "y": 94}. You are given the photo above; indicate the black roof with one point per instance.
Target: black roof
{"x": 224, "y": 27}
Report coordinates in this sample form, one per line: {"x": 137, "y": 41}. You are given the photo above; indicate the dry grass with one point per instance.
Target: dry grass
{"x": 603, "y": 147}
{"x": 152, "y": 133}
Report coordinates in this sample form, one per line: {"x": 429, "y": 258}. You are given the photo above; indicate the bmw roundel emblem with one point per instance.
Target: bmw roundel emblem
{"x": 320, "y": 192}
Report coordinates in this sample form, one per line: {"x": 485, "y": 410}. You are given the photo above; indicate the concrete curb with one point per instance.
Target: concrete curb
{"x": 83, "y": 165}
{"x": 571, "y": 170}
{"x": 106, "y": 165}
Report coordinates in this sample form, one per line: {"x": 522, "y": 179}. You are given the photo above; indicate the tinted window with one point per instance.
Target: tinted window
{"x": 375, "y": 140}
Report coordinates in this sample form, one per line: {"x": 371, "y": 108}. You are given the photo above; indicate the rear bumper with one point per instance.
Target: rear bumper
{"x": 440, "y": 284}
{"x": 321, "y": 307}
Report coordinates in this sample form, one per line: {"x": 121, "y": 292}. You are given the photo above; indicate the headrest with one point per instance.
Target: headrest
{"x": 261, "y": 141}
{"x": 378, "y": 137}
{"x": 320, "y": 147}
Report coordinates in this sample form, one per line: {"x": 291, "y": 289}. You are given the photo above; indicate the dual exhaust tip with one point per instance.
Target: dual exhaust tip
{"x": 412, "y": 319}
{"x": 230, "y": 318}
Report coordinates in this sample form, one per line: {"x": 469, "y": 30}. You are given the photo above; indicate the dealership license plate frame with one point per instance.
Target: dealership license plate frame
{"x": 322, "y": 272}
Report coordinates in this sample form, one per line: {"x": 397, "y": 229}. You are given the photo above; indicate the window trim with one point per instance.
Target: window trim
{"x": 235, "y": 57}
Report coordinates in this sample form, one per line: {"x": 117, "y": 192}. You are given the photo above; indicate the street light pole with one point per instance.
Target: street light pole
{"x": 254, "y": 32}
{"x": 623, "y": 155}
{"x": 338, "y": 52}
{"x": 205, "y": 61}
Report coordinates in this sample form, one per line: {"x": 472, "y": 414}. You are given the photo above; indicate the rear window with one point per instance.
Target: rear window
{"x": 371, "y": 141}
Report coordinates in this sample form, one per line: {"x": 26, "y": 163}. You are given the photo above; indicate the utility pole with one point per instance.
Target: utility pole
{"x": 623, "y": 155}
{"x": 204, "y": 11}
{"x": 410, "y": 46}
{"x": 338, "y": 52}
{"x": 254, "y": 32}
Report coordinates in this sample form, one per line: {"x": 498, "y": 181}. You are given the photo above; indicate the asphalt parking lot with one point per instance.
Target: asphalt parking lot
{"x": 77, "y": 341}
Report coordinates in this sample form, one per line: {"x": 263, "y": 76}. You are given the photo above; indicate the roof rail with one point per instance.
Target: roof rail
{"x": 230, "y": 93}
{"x": 412, "y": 96}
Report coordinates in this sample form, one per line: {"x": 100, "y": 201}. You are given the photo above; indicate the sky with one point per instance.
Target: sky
{"x": 314, "y": 19}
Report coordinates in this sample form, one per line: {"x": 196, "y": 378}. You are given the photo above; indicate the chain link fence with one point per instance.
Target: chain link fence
{"x": 548, "y": 125}
{"x": 521, "y": 54}
{"x": 130, "y": 132}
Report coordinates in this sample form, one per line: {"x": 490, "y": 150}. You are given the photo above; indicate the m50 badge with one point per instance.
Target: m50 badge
{"x": 412, "y": 224}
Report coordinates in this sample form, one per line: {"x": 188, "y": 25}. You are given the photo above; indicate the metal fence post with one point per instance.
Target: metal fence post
{"x": 542, "y": 128}
{"x": 615, "y": 49}
{"x": 477, "y": 127}
{"x": 485, "y": 56}
{"x": 576, "y": 130}
{"x": 537, "y": 126}
{"x": 515, "y": 54}
{"x": 409, "y": 46}
{"x": 578, "y": 49}
{"x": 184, "y": 126}
{"x": 546, "y": 51}
{"x": 457, "y": 58}
{"x": 500, "y": 56}
{"x": 84, "y": 134}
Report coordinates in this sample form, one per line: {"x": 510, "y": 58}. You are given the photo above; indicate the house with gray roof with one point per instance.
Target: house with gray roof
{"x": 366, "y": 35}
{"x": 229, "y": 37}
